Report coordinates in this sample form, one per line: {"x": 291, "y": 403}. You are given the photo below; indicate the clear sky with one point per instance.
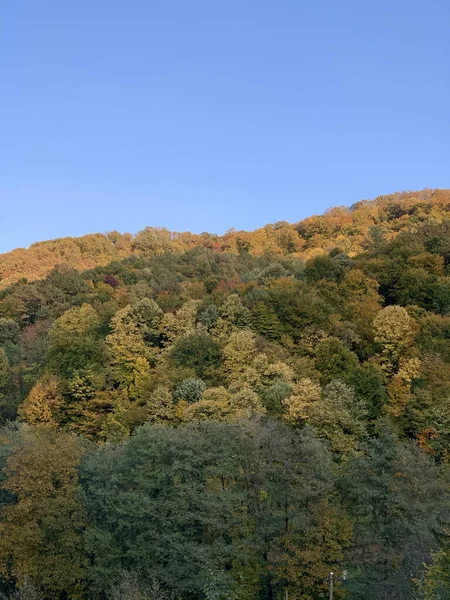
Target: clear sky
{"x": 208, "y": 114}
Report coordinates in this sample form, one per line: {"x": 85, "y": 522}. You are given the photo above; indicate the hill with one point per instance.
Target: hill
{"x": 350, "y": 229}
{"x": 200, "y": 417}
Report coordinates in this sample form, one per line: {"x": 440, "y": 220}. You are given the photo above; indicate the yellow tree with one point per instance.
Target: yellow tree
{"x": 220, "y": 404}
{"x": 241, "y": 363}
{"x": 41, "y": 533}
{"x": 160, "y": 407}
{"x": 128, "y": 352}
{"x": 333, "y": 413}
{"x": 399, "y": 388}
{"x": 233, "y": 316}
{"x": 42, "y": 403}
{"x": 307, "y": 556}
{"x": 298, "y": 406}
{"x": 176, "y": 325}
{"x": 394, "y": 331}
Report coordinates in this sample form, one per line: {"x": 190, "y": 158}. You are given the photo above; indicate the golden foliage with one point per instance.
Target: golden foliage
{"x": 42, "y": 403}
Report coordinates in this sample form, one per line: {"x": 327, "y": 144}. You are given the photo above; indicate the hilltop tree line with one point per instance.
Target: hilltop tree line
{"x": 352, "y": 229}
{"x": 194, "y": 421}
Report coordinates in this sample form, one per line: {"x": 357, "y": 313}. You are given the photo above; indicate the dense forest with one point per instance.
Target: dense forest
{"x": 203, "y": 417}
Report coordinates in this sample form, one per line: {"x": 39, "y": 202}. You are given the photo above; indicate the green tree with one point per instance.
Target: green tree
{"x": 334, "y": 360}
{"x": 398, "y": 502}
{"x": 9, "y": 331}
{"x": 174, "y": 513}
{"x": 27, "y": 591}
{"x": 4, "y": 369}
{"x": 129, "y": 587}
{"x": 205, "y": 508}
{"x": 190, "y": 390}
{"x": 75, "y": 341}
{"x": 199, "y": 352}
{"x": 265, "y": 321}
{"x": 146, "y": 315}
{"x": 324, "y": 267}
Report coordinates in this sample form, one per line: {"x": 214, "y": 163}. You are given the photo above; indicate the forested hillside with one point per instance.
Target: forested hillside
{"x": 350, "y": 229}
{"x": 196, "y": 417}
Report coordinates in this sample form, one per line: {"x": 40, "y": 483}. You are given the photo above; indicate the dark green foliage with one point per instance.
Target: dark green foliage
{"x": 76, "y": 348}
{"x": 273, "y": 271}
{"x": 440, "y": 296}
{"x": 201, "y": 506}
{"x": 9, "y": 332}
{"x": 265, "y": 321}
{"x": 325, "y": 267}
{"x": 400, "y": 509}
{"x": 172, "y": 527}
{"x": 298, "y": 306}
{"x": 273, "y": 396}
{"x": 334, "y": 360}
{"x": 368, "y": 384}
{"x": 199, "y": 352}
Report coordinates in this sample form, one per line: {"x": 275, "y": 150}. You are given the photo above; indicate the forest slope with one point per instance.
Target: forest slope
{"x": 204, "y": 417}
{"x": 350, "y": 229}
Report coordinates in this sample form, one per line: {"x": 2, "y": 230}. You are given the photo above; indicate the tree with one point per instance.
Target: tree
{"x": 199, "y": 352}
{"x": 339, "y": 418}
{"x": 287, "y": 475}
{"x": 324, "y": 267}
{"x": 190, "y": 390}
{"x": 272, "y": 271}
{"x": 398, "y": 502}
{"x": 234, "y": 312}
{"x": 435, "y": 584}
{"x": 214, "y": 406}
{"x": 27, "y": 591}
{"x": 182, "y": 323}
{"x": 333, "y": 413}
{"x": 240, "y": 360}
{"x": 160, "y": 406}
{"x": 304, "y": 394}
{"x": 8, "y": 389}
{"x": 220, "y": 404}
{"x": 129, "y": 587}
{"x": 146, "y": 315}
{"x": 41, "y": 532}
{"x": 127, "y": 349}
{"x": 368, "y": 384}
{"x": 43, "y": 403}
{"x": 75, "y": 341}
{"x": 203, "y": 508}
{"x": 208, "y": 317}
{"x": 174, "y": 519}
{"x": 273, "y": 396}
{"x": 334, "y": 360}
{"x": 265, "y": 321}
{"x": 394, "y": 331}
{"x": 4, "y": 369}
{"x": 9, "y": 331}
{"x": 309, "y": 555}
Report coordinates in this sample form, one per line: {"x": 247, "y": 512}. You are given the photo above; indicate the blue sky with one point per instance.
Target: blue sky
{"x": 206, "y": 114}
